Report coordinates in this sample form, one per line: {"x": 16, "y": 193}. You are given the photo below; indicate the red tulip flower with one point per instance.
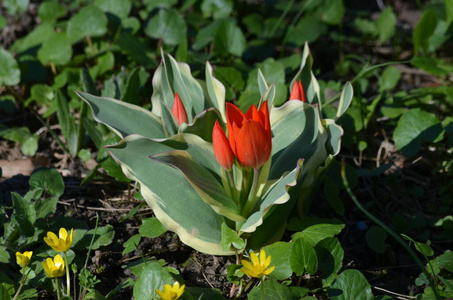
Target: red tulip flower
{"x": 297, "y": 92}
{"x": 222, "y": 149}
{"x": 250, "y": 135}
{"x": 178, "y": 110}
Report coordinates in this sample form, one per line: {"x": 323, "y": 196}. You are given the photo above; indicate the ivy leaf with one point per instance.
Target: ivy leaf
{"x": 350, "y": 284}
{"x": 89, "y": 21}
{"x": 414, "y": 127}
{"x": 151, "y": 227}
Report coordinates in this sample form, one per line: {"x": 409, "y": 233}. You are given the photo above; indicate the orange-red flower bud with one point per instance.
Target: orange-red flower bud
{"x": 222, "y": 149}
{"x": 297, "y": 92}
{"x": 250, "y": 135}
{"x": 178, "y": 110}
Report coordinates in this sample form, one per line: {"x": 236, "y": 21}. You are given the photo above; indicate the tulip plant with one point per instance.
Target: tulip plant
{"x": 221, "y": 179}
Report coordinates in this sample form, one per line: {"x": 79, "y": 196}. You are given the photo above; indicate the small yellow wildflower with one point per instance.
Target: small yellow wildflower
{"x": 258, "y": 267}
{"x": 23, "y": 260}
{"x": 171, "y": 292}
{"x": 60, "y": 243}
{"x": 55, "y": 267}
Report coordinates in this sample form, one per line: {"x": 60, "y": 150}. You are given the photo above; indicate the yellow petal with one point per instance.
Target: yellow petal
{"x": 254, "y": 259}
{"x": 262, "y": 257}
{"x": 268, "y": 271}
{"x": 62, "y": 234}
{"x": 267, "y": 262}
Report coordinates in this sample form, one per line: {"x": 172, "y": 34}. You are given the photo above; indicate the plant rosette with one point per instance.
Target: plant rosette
{"x": 183, "y": 182}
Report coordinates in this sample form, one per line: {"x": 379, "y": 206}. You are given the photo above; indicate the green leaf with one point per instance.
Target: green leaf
{"x": 50, "y": 11}
{"x": 315, "y": 233}
{"x": 345, "y": 100}
{"x": 46, "y": 207}
{"x": 136, "y": 48}
{"x": 389, "y": 78}
{"x": 16, "y": 7}
{"x": 104, "y": 237}
{"x": 350, "y": 284}
{"x": 230, "y": 238}
{"x": 332, "y": 12}
{"x": 168, "y": 25}
{"x": 164, "y": 199}
{"x": 303, "y": 257}
{"x": 280, "y": 253}
{"x": 436, "y": 66}
{"x": 24, "y": 213}
{"x": 123, "y": 118}
{"x": 47, "y": 180}
{"x": 449, "y": 12}
{"x": 131, "y": 244}
{"x": 6, "y": 291}
{"x": 375, "y": 239}
{"x": 216, "y": 90}
{"x": 152, "y": 277}
{"x": 67, "y": 123}
{"x": 330, "y": 258}
{"x": 385, "y": 24}
{"x": 414, "y": 127}
{"x": 331, "y": 191}
{"x": 151, "y": 228}
{"x": 217, "y": 9}
{"x": 273, "y": 290}
{"x": 89, "y": 21}
{"x": 229, "y": 39}
{"x": 444, "y": 261}
{"x": 130, "y": 93}
{"x": 203, "y": 181}
{"x": 9, "y": 72}
{"x": 309, "y": 29}
{"x": 4, "y": 255}
{"x": 424, "y": 30}
{"x": 119, "y": 8}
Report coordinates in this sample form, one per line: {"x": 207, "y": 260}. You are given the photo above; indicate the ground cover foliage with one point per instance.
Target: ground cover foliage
{"x": 377, "y": 224}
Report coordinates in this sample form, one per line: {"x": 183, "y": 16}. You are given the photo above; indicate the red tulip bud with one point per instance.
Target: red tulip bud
{"x": 178, "y": 110}
{"x": 298, "y": 92}
{"x": 222, "y": 149}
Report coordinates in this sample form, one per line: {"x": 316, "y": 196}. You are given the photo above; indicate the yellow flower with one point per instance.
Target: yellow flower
{"x": 23, "y": 259}
{"x": 258, "y": 267}
{"x": 55, "y": 267}
{"x": 171, "y": 292}
{"x": 60, "y": 243}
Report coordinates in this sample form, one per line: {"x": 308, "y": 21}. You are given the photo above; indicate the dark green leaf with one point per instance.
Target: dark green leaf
{"x": 47, "y": 180}
{"x": 375, "y": 238}
{"x": 131, "y": 244}
{"x": 315, "y": 233}
{"x": 330, "y": 258}
{"x": 303, "y": 258}
{"x": 273, "y": 290}
{"x": 385, "y": 24}
{"x": 51, "y": 11}
{"x": 119, "y": 8}
{"x": 389, "y": 78}
{"x": 168, "y": 25}
{"x": 424, "y": 30}
{"x": 280, "y": 253}
{"x": 24, "y": 213}
{"x": 433, "y": 65}
{"x": 229, "y": 39}
{"x": 9, "y": 72}
{"x": 414, "y": 127}
{"x": 151, "y": 228}
{"x": 350, "y": 284}
{"x": 152, "y": 277}
{"x": 332, "y": 12}
{"x": 217, "y": 8}
{"x": 89, "y": 21}
{"x": 230, "y": 239}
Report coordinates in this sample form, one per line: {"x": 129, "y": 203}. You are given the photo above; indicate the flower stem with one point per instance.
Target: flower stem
{"x": 22, "y": 282}
{"x": 252, "y": 198}
{"x": 68, "y": 282}
{"x": 58, "y": 288}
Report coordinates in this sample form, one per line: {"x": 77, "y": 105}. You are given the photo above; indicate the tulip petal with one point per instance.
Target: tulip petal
{"x": 235, "y": 118}
{"x": 222, "y": 148}
{"x": 253, "y": 144}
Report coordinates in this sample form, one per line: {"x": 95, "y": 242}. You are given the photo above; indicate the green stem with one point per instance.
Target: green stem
{"x": 252, "y": 197}
{"x": 22, "y": 282}
{"x": 58, "y": 288}
{"x": 387, "y": 229}
{"x": 68, "y": 281}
